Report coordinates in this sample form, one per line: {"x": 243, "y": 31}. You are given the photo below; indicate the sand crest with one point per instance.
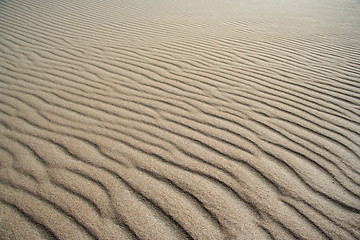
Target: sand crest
{"x": 179, "y": 119}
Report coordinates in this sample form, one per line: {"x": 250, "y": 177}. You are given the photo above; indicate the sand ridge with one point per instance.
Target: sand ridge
{"x": 179, "y": 120}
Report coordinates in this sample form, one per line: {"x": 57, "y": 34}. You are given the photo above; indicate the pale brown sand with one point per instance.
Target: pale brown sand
{"x": 161, "y": 119}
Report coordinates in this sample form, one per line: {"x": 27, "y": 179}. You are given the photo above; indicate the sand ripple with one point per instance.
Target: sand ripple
{"x": 189, "y": 120}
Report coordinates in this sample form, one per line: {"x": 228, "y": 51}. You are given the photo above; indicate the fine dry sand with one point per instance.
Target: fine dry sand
{"x": 191, "y": 119}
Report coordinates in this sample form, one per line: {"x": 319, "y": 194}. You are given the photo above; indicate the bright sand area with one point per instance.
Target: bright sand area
{"x": 184, "y": 119}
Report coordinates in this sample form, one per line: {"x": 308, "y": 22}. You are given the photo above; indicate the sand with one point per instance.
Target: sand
{"x": 185, "y": 119}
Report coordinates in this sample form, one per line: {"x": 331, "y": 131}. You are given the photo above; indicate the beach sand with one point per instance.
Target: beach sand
{"x": 185, "y": 119}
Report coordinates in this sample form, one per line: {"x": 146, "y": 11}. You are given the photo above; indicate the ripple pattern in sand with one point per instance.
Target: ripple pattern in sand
{"x": 115, "y": 128}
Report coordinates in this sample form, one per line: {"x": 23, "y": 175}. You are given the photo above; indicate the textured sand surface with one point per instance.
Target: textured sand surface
{"x": 184, "y": 119}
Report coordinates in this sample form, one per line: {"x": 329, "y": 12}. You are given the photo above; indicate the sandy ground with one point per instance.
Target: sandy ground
{"x": 185, "y": 119}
